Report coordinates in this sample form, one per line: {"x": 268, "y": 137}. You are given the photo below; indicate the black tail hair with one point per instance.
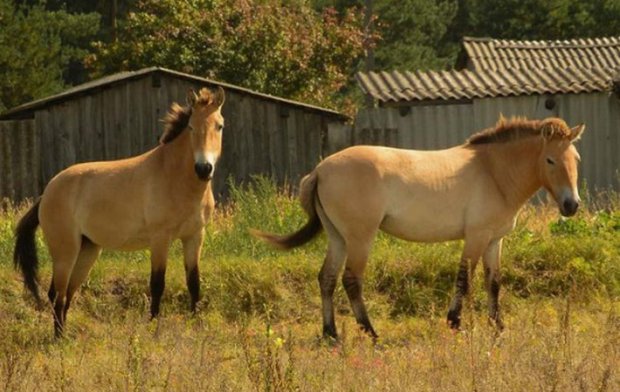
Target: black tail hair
{"x": 293, "y": 240}
{"x": 25, "y": 254}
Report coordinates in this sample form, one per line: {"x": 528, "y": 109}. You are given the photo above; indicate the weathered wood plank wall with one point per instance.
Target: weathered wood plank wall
{"x": 19, "y": 160}
{"x": 261, "y": 136}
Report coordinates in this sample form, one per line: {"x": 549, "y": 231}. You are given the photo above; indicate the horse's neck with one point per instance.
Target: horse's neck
{"x": 514, "y": 166}
{"x": 178, "y": 163}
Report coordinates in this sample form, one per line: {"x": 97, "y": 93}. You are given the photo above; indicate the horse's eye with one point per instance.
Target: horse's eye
{"x": 219, "y": 127}
{"x": 550, "y": 161}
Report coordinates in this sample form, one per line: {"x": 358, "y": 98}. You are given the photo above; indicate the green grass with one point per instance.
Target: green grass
{"x": 259, "y": 322}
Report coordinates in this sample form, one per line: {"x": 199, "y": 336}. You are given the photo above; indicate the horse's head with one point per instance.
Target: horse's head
{"x": 205, "y": 126}
{"x": 558, "y": 163}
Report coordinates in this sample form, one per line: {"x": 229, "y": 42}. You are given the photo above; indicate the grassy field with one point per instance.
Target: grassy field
{"x": 259, "y": 321}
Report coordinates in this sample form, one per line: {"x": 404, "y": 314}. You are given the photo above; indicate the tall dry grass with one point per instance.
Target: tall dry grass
{"x": 258, "y": 325}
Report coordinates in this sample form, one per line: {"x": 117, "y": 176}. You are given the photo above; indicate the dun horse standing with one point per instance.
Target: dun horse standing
{"x": 129, "y": 204}
{"x": 473, "y": 192}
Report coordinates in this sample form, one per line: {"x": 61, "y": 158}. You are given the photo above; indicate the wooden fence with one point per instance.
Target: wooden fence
{"x": 19, "y": 160}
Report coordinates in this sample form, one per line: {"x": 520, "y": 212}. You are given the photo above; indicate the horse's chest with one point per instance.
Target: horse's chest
{"x": 182, "y": 222}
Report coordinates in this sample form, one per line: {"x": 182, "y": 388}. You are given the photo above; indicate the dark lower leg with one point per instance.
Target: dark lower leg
{"x": 462, "y": 288}
{"x": 493, "y": 293}
{"x": 353, "y": 287}
{"x": 66, "y": 308}
{"x": 327, "y": 283}
{"x": 193, "y": 286}
{"x": 59, "y": 316}
{"x": 157, "y": 289}
{"x": 51, "y": 294}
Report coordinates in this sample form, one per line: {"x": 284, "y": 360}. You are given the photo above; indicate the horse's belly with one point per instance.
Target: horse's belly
{"x": 424, "y": 226}
{"x": 140, "y": 236}
{"x": 132, "y": 244}
{"x": 119, "y": 240}
{"x": 131, "y": 230}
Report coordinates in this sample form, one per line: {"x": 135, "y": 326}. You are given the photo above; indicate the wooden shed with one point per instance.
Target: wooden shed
{"x": 577, "y": 80}
{"x": 119, "y": 116}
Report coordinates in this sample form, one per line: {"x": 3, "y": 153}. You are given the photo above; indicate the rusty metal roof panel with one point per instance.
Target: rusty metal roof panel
{"x": 495, "y": 54}
{"x": 466, "y": 84}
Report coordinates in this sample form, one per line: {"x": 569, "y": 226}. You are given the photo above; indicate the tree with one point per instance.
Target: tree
{"x": 543, "y": 19}
{"x": 35, "y": 47}
{"x": 277, "y": 47}
{"x": 409, "y": 34}
{"x": 412, "y": 33}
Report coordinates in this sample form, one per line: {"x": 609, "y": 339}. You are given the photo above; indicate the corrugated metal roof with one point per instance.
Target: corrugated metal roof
{"x": 124, "y": 76}
{"x": 465, "y": 84}
{"x": 495, "y": 54}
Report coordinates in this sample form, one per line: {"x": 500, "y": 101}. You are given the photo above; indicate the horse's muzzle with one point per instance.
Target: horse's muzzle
{"x": 569, "y": 207}
{"x": 204, "y": 171}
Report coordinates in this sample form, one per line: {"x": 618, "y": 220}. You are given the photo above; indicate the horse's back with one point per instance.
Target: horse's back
{"x": 399, "y": 170}
{"x": 416, "y": 195}
{"x": 87, "y": 182}
{"x": 100, "y": 200}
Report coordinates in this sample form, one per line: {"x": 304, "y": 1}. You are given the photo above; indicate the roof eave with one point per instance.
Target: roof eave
{"x": 25, "y": 110}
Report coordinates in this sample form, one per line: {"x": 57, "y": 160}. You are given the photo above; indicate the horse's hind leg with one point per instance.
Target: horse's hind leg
{"x": 491, "y": 261}
{"x": 328, "y": 277}
{"x": 353, "y": 279}
{"x": 64, "y": 251}
{"x": 191, "y": 252}
{"x": 85, "y": 260}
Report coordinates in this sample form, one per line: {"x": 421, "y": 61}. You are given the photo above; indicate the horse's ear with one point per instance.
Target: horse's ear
{"x": 575, "y": 132}
{"x": 219, "y": 96}
{"x": 191, "y": 97}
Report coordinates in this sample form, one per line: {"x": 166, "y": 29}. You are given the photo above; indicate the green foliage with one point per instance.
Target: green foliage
{"x": 257, "y": 205}
{"x": 7, "y": 240}
{"x": 569, "y": 227}
{"x": 411, "y": 32}
{"x": 543, "y": 257}
{"x": 407, "y": 35}
{"x": 427, "y": 34}
{"x": 538, "y": 19}
{"x": 276, "y": 47}
{"x": 36, "y": 46}
{"x": 601, "y": 223}
{"x": 580, "y": 254}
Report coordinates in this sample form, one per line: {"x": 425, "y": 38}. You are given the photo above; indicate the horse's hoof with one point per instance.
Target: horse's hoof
{"x": 454, "y": 320}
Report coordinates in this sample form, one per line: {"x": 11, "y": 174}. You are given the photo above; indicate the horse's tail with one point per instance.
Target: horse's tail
{"x": 25, "y": 254}
{"x": 307, "y": 197}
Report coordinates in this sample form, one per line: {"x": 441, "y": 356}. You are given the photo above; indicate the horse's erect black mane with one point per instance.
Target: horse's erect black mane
{"x": 176, "y": 121}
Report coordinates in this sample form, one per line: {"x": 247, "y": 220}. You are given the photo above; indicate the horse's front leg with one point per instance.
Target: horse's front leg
{"x": 192, "y": 246}
{"x": 491, "y": 262}
{"x": 474, "y": 246}
{"x": 159, "y": 259}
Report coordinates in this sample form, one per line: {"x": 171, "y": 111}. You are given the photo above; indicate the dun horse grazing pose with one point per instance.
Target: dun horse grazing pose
{"x": 129, "y": 204}
{"x": 472, "y": 192}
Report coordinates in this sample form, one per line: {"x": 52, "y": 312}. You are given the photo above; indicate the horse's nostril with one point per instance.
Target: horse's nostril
{"x": 203, "y": 170}
{"x": 570, "y": 206}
